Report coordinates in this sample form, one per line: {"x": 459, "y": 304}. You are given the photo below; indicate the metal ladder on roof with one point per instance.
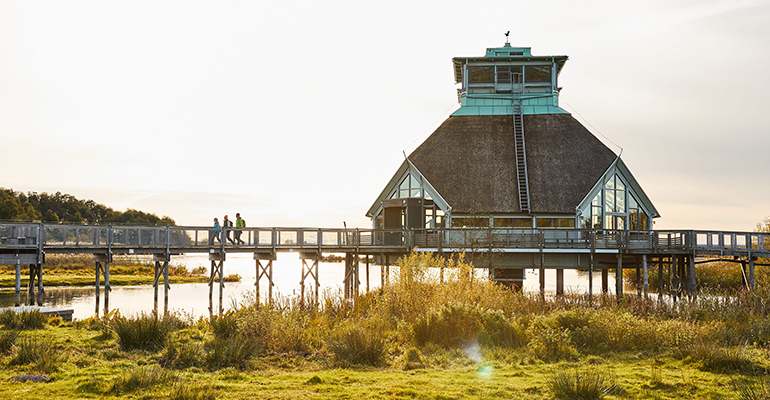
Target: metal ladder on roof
{"x": 518, "y": 139}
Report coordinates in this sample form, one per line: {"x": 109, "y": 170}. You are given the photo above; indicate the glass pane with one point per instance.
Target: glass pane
{"x": 405, "y": 183}
{"x": 633, "y": 219}
{"x": 620, "y": 203}
{"x": 643, "y": 221}
{"x": 427, "y": 196}
{"x": 619, "y": 183}
{"x": 546, "y": 222}
{"x": 394, "y": 195}
{"x": 481, "y": 74}
{"x": 538, "y": 73}
{"x": 503, "y": 222}
{"x": 522, "y": 222}
{"x": 632, "y": 203}
{"x": 610, "y": 183}
{"x": 609, "y": 200}
{"x": 415, "y": 193}
{"x": 596, "y": 219}
{"x": 565, "y": 222}
{"x": 597, "y": 201}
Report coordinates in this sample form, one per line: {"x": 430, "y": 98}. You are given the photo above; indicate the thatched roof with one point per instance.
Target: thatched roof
{"x": 470, "y": 161}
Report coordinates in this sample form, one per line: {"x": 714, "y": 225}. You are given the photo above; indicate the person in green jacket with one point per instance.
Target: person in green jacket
{"x": 239, "y": 224}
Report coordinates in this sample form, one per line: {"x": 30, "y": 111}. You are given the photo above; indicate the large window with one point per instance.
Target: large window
{"x": 538, "y": 74}
{"x": 614, "y": 207}
{"x": 408, "y": 188}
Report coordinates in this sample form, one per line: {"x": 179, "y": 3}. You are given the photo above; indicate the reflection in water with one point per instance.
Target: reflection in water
{"x": 192, "y": 298}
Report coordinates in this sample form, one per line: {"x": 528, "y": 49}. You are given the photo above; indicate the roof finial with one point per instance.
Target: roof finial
{"x": 506, "y": 37}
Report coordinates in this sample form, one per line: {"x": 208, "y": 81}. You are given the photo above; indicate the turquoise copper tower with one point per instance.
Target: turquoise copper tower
{"x": 505, "y": 77}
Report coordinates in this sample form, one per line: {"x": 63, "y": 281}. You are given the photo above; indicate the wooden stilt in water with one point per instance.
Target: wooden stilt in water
{"x": 751, "y": 272}
{"x": 542, "y": 269}
{"x": 367, "y": 273}
{"x": 674, "y": 272}
{"x": 155, "y": 288}
{"x": 592, "y": 239}
{"x": 266, "y": 271}
{"x": 692, "y": 282}
{"x": 660, "y": 278}
{"x": 216, "y": 273}
{"x": 638, "y": 277}
{"x": 102, "y": 266}
{"x": 18, "y": 283}
{"x": 39, "y": 272}
{"x": 309, "y": 271}
{"x": 559, "y": 282}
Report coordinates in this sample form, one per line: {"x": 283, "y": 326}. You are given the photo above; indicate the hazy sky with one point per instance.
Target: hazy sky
{"x": 297, "y": 113}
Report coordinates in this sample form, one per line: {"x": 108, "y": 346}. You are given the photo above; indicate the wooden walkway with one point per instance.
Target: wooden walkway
{"x": 28, "y": 243}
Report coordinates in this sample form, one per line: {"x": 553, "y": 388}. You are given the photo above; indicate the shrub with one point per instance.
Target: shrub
{"x": 225, "y": 326}
{"x": 41, "y": 355}
{"x": 184, "y": 354}
{"x": 582, "y": 384}
{"x": 451, "y": 325}
{"x": 7, "y": 340}
{"x": 193, "y": 391}
{"x": 720, "y": 359}
{"x": 411, "y": 359}
{"x": 753, "y": 389}
{"x": 144, "y": 332}
{"x": 234, "y": 351}
{"x": 552, "y": 344}
{"x": 141, "y": 378}
{"x": 354, "y": 344}
{"x": 25, "y": 320}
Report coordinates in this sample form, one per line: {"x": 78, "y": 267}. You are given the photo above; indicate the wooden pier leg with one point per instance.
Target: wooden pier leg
{"x": 318, "y": 281}
{"x": 221, "y": 285}
{"x": 645, "y": 276}
{"x": 265, "y": 270}
{"x": 691, "y": 281}
{"x": 660, "y": 278}
{"x": 18, "y": 283}
{"x": 217, "y": 267}
{"x": 155, "y": 288}
{"x": 98, "y": 283}
{"x": 31, "y": 285}
{"x": 751, "y": 272}
{"x": 605, "y": 281}
{"x": 674, "y": 272}
{"x": 107, "y": 287}
{"x": 367, "y": 273}
{"x": 387, "y": 269}
{"x": 166, "y": 287}
{"x": 559, "y": 282}
{"x": 619, "y": 278}
{"x": 40, "y": 283}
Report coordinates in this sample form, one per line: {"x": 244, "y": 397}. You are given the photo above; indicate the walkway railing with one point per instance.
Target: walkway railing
{"x": 54, "y": 238}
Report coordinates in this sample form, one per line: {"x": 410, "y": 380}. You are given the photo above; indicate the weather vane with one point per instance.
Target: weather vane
{"x": 506, "y": 36}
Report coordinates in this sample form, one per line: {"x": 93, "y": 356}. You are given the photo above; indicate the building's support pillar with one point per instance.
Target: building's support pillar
{"x": 309, "y": 271}
{"x": 619, "y": 277}
{"x": 216, "y": 273}
{"x": 542, "y": 269}
{"x": 605, "y": 280}
{"x": 638, "y": 277}
{"x": 645, "y": 276}
{"x": 265, "y": 270}
{"x": 751, "y": 272}
{"x": 592, "y": 239}
{"x": 40, "y": 282}
{"x": 559, "y": 282}
{"x": 367, "y": 273}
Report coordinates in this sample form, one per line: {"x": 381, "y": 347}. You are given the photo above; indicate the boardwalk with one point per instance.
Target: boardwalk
{"x": 28, "y": 243}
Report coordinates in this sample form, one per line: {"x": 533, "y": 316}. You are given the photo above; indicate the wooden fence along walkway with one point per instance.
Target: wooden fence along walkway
{"x": 28, "y": 243}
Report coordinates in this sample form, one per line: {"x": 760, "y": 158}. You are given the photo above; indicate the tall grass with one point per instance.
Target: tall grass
{"x": 143, "y": 332}
{"x": 33, "y": 319}
{"x": 141, "y": 378}
{"x": 41, "y": 355}
{"x": 582, "y": 384}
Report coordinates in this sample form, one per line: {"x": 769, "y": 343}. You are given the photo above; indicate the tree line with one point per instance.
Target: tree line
{"x": 65, "y": 208}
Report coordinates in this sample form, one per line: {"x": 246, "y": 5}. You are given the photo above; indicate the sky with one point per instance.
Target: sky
{"x": 297, "y": 113}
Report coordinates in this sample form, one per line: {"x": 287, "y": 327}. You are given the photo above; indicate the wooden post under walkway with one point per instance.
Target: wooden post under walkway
{"x": 164, "y": 259}
{"x": 265, "y": 270}
{"x": 309, "y": 271}
{"x": 216, "y": 272}
{"x": 102, "y": 262}
{"x": 351, "y": 281}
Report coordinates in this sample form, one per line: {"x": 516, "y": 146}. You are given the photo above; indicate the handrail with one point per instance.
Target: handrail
{"x": 53, "y": 237}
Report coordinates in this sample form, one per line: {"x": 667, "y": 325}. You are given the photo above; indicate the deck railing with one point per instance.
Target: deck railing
{"x": 57, "y": 237}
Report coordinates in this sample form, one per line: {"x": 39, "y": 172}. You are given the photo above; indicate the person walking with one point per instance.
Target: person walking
{"x": 227, "y": 224}
{"x": 239, "y": 225}
{"x": 214, "y": 235}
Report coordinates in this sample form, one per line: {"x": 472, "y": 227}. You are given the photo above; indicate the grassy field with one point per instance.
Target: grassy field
{"x": 79, "y": 270}
{"x": 415, "y": 338}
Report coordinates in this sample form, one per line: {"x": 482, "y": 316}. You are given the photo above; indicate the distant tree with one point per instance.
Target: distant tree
{"x": 764, "y": 226}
